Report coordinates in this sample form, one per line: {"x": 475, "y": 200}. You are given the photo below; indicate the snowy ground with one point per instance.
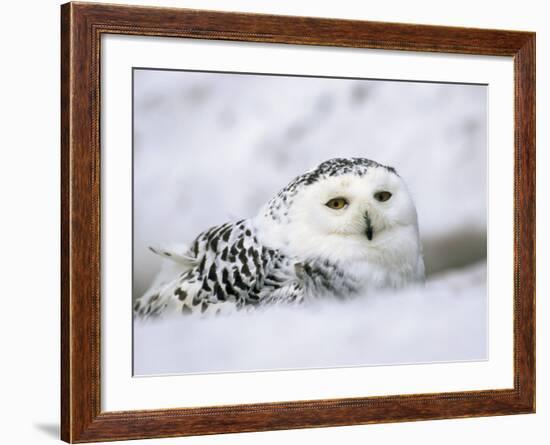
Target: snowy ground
{"x": 209, "y": 148}
{"x": 443, "y": 321}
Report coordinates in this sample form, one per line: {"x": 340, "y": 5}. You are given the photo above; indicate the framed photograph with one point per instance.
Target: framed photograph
{"x": 274, "y": 222}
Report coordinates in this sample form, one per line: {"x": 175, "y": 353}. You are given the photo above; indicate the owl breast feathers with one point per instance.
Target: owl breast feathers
{"x": 331, "y": 232}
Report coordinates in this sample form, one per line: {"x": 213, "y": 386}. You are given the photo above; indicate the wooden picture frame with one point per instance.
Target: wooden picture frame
{"x": 82, "y": 25}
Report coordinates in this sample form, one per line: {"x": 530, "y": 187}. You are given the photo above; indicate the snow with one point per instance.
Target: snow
{"x": 443, "y": 321}
{"x": 212, "y": 147}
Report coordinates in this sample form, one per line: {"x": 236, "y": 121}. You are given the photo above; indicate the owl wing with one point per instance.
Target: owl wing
{"x": 225, "y": 268}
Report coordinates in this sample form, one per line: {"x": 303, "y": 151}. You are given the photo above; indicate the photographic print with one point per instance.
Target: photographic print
{"x": 328, "y": 226}
{"x": 291, "y": 222}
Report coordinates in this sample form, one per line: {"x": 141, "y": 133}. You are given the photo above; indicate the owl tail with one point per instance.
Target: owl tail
{"x": 174, "y": 255}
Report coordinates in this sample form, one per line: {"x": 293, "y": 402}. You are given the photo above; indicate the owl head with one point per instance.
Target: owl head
{"x": 344, "y": 209}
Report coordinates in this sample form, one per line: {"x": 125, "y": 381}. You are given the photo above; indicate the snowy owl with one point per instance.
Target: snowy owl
{"x": 341, "y": 229}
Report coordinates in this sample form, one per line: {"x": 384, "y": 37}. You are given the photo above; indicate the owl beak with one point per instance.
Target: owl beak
{"x": 369, "y": 229}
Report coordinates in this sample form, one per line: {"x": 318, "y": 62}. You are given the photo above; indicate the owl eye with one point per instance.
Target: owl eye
{"x": 382, "y": 196}
{"x": 337, "y": 203}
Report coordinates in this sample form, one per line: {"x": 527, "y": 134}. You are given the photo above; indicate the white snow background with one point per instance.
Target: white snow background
{"x": 211, "y": 147}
